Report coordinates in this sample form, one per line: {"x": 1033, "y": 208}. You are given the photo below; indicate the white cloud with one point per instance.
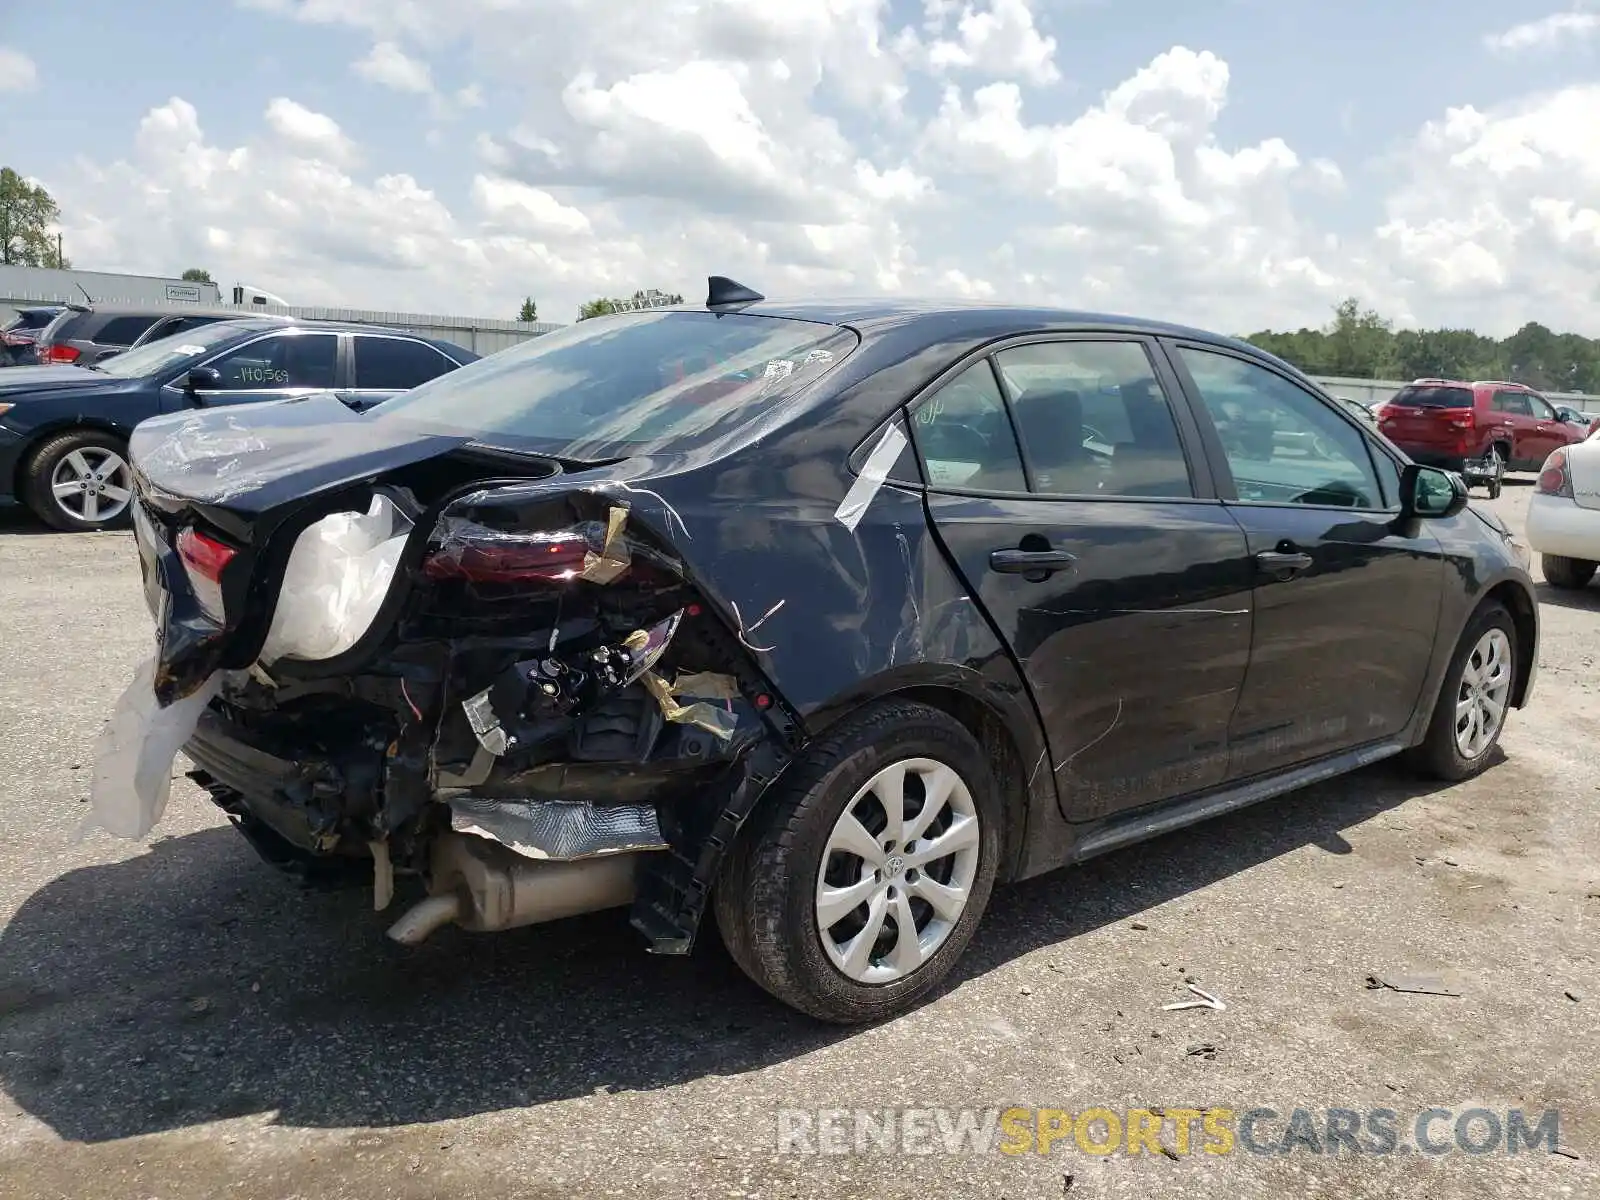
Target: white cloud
{"x": 1498, "y": 220}
{"x": 389, "y": 66}
{"x": 1547, "y": 33}
{"x": 17, "y": 72}
{"x": 518, "y": 206}
{"x": 314, "y": 132}
{"x": 1000, "y": 39}
{"x": 833, "y": 146}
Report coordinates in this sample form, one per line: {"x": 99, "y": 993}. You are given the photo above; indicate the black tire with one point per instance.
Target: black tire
{"x": 1562, "y": 572}
{"x": 40, "y": 471}
{"x": 765, "y": 901}
{"x": 1438, "y": 755}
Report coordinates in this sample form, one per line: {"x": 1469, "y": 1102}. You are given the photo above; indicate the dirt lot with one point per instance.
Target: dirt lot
{"x": 178, "y": 1021}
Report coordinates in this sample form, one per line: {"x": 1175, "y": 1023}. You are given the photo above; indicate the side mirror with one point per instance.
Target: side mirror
{"x": 203, "y": 379}
{"x": 1430, "y": 493}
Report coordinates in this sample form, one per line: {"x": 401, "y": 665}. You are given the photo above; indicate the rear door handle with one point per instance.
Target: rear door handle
{"x": 1284, "y": 562}
{"x": 1028, "y": 562}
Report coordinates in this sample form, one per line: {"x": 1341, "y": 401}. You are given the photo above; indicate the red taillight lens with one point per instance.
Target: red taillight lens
{"x": 204, "y": 556}
{"x": 1553, "y": 478}
{"x": 509, "y": 558}
{"x": 204, "y": 559}
{"x": 61, "y": 354}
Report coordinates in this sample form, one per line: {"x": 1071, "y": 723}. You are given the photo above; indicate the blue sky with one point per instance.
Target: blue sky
{"x": 596, "y": 145}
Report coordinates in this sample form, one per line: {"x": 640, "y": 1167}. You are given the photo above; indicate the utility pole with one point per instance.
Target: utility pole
{"x": 59, "y": 259}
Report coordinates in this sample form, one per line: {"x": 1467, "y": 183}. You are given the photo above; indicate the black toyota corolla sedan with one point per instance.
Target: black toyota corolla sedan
{"x": 822, "y": 618}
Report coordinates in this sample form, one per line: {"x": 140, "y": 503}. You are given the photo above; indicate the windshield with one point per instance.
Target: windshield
{"x": 154, "y": 357}
{"x": 1433, "y": 396}
{"x": 635, "y": 383}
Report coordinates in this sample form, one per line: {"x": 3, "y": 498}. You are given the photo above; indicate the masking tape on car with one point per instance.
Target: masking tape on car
{"x": 613, "y": 559}
{"x": 715, "y": 721}
{"x": 873, "y": 472}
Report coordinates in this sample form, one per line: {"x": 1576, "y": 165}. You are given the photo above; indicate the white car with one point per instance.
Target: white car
{"x": 1564, "y": 514}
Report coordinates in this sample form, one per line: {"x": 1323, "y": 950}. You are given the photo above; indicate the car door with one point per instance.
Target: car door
{"x": 384, "y": 366}
{"x": 275, "y": 366}
{"x": 1101, "y": 555}
{"x": 1549, "y": 430}
{"x": 1346, "y": 597}
{"x": 1515, "y": 415}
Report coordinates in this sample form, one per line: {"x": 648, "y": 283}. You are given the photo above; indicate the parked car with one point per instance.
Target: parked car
{"x": 1358, "y": 410}
{"x": 1483, "y": 428}
{"x": 828, "y": 633}
{"x": 19, "y": 335}
{"x": 83, "y": 335}
{"x": 1564, "y": 515}
{"x": 64, "y": 430}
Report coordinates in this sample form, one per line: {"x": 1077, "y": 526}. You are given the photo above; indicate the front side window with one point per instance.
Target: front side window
{"x": 284, "y": 361}
{"x": 1542, "y": 409}
{"x": 965, "y": 437}
{"x": 1283, "y": 444}
{"x": 1094, "y": 420}
{"x": 396, "y": 365}
{"x": 633, "y": 383}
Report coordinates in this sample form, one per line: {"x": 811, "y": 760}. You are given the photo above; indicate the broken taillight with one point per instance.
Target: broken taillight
{"x": 491, "y": 557}
{"x": 204, "y": 558}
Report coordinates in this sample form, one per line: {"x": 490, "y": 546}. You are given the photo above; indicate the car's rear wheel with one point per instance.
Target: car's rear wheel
{"x": 859, "y": 883}
{"x": 1471, "y": 710}
{"x": 80, "y": 481}
{"x": 1562, "y": 572}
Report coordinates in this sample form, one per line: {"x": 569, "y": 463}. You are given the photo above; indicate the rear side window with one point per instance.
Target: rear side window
{"x": 120, "y": 331}
{"x": 1433, "y": 396}
{"x": 965, "y": 437}
{"x": 1094, "y": 420}
{"x": 396, "y": 365}
{"x": 1513, "y": 402}
{"x": 65, "y": 327}
{"x": 634, "y": 383}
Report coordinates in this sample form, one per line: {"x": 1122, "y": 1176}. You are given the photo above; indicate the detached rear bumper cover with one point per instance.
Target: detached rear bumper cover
{"x": 568, "y": 694}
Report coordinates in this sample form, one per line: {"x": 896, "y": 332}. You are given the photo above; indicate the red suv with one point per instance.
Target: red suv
{"x": 1444, "y": 423}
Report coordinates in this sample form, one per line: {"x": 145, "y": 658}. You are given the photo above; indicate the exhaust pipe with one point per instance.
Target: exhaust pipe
{"x": 485, "y": 887}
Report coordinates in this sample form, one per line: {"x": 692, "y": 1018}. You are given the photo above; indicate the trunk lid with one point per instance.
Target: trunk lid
{"x": 223, "y": 495}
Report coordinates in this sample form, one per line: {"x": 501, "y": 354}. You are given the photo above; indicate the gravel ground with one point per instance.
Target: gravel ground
{"x": 178, "y": 1021}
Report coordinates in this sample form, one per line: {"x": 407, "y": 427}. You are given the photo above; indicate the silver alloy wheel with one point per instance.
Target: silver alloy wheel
{"x": 92, "y": 484}
{"x": 897, "y": 871}
{"x": 1485, "y": 689}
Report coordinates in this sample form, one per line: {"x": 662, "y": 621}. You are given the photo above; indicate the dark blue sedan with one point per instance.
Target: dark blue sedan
{"x": 64, "y": 430}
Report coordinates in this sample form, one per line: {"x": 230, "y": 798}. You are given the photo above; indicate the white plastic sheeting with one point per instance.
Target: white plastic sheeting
{"x": 338, "y": 575}
{"x": 134, "y": 755}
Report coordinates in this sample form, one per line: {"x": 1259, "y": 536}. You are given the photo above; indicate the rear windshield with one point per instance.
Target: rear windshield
{"x": 32, "y": 318}
{"x": 1433, "y": 396}
{"x": 634, "y": 383}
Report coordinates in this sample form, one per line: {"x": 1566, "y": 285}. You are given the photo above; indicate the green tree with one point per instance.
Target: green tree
{"x": 26, "y": 213}
{"x": 529, "y": 311}
{"x": 1360, "y": 343}
{"x": 197, "y": 275}
{"x": 643, "y": 298}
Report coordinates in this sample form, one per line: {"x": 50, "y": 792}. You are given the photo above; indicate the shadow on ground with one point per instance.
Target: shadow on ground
{"x": 1586, "y": 599}
{"x": 129, "y": 1001}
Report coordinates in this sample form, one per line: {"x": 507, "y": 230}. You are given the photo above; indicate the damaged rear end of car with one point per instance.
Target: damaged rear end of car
{"x": 398, "y": 653}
